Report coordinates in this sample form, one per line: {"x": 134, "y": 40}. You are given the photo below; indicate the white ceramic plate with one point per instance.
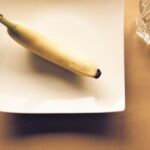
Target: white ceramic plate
{"x": 29, "y": 84}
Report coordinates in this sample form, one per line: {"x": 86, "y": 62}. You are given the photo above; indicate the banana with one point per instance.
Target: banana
{"x": 49, "y": 50}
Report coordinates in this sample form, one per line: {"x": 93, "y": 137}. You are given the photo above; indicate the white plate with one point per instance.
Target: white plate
{"x": 29, "y": 84}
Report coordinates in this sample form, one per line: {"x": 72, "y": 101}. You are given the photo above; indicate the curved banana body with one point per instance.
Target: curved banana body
{"x": 49, "y": 50}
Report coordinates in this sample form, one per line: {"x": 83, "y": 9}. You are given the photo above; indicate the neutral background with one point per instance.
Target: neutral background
{"x": 118, "y": 131}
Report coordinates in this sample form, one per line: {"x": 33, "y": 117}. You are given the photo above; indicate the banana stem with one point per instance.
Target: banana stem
{"x": 6, "y": 22}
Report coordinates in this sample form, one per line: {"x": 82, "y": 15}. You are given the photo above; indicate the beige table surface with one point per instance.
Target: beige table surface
{"x": 129, "y": 130}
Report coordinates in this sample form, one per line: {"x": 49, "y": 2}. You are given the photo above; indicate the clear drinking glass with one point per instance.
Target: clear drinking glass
{"x": 143, "y": 20}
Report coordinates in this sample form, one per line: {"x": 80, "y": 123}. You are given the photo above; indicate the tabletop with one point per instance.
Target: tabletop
{"x": 114, "y": 131}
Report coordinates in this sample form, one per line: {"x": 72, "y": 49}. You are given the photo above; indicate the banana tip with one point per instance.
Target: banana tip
{"x": 98, "y": 74}
{"x": 1, "y": 16}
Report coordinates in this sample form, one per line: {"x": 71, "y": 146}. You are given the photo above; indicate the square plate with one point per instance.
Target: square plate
{"x": 29, "y": 84}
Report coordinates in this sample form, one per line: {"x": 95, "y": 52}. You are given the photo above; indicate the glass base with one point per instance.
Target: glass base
{"x": 143, "y": 29}
{"x": 144, "y": 36}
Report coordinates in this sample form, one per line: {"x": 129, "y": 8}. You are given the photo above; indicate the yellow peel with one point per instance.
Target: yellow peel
{"x": 44, "y": 47}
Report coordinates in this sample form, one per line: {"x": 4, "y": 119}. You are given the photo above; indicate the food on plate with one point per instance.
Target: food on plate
{"x": 50, "y": 50}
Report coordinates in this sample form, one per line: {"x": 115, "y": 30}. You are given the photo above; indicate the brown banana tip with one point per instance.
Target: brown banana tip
{"x": 1, "y": 16}
{"x": 98, "y": 74}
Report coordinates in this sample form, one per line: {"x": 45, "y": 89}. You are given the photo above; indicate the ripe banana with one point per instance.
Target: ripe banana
{"x": 49, "y": 50}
